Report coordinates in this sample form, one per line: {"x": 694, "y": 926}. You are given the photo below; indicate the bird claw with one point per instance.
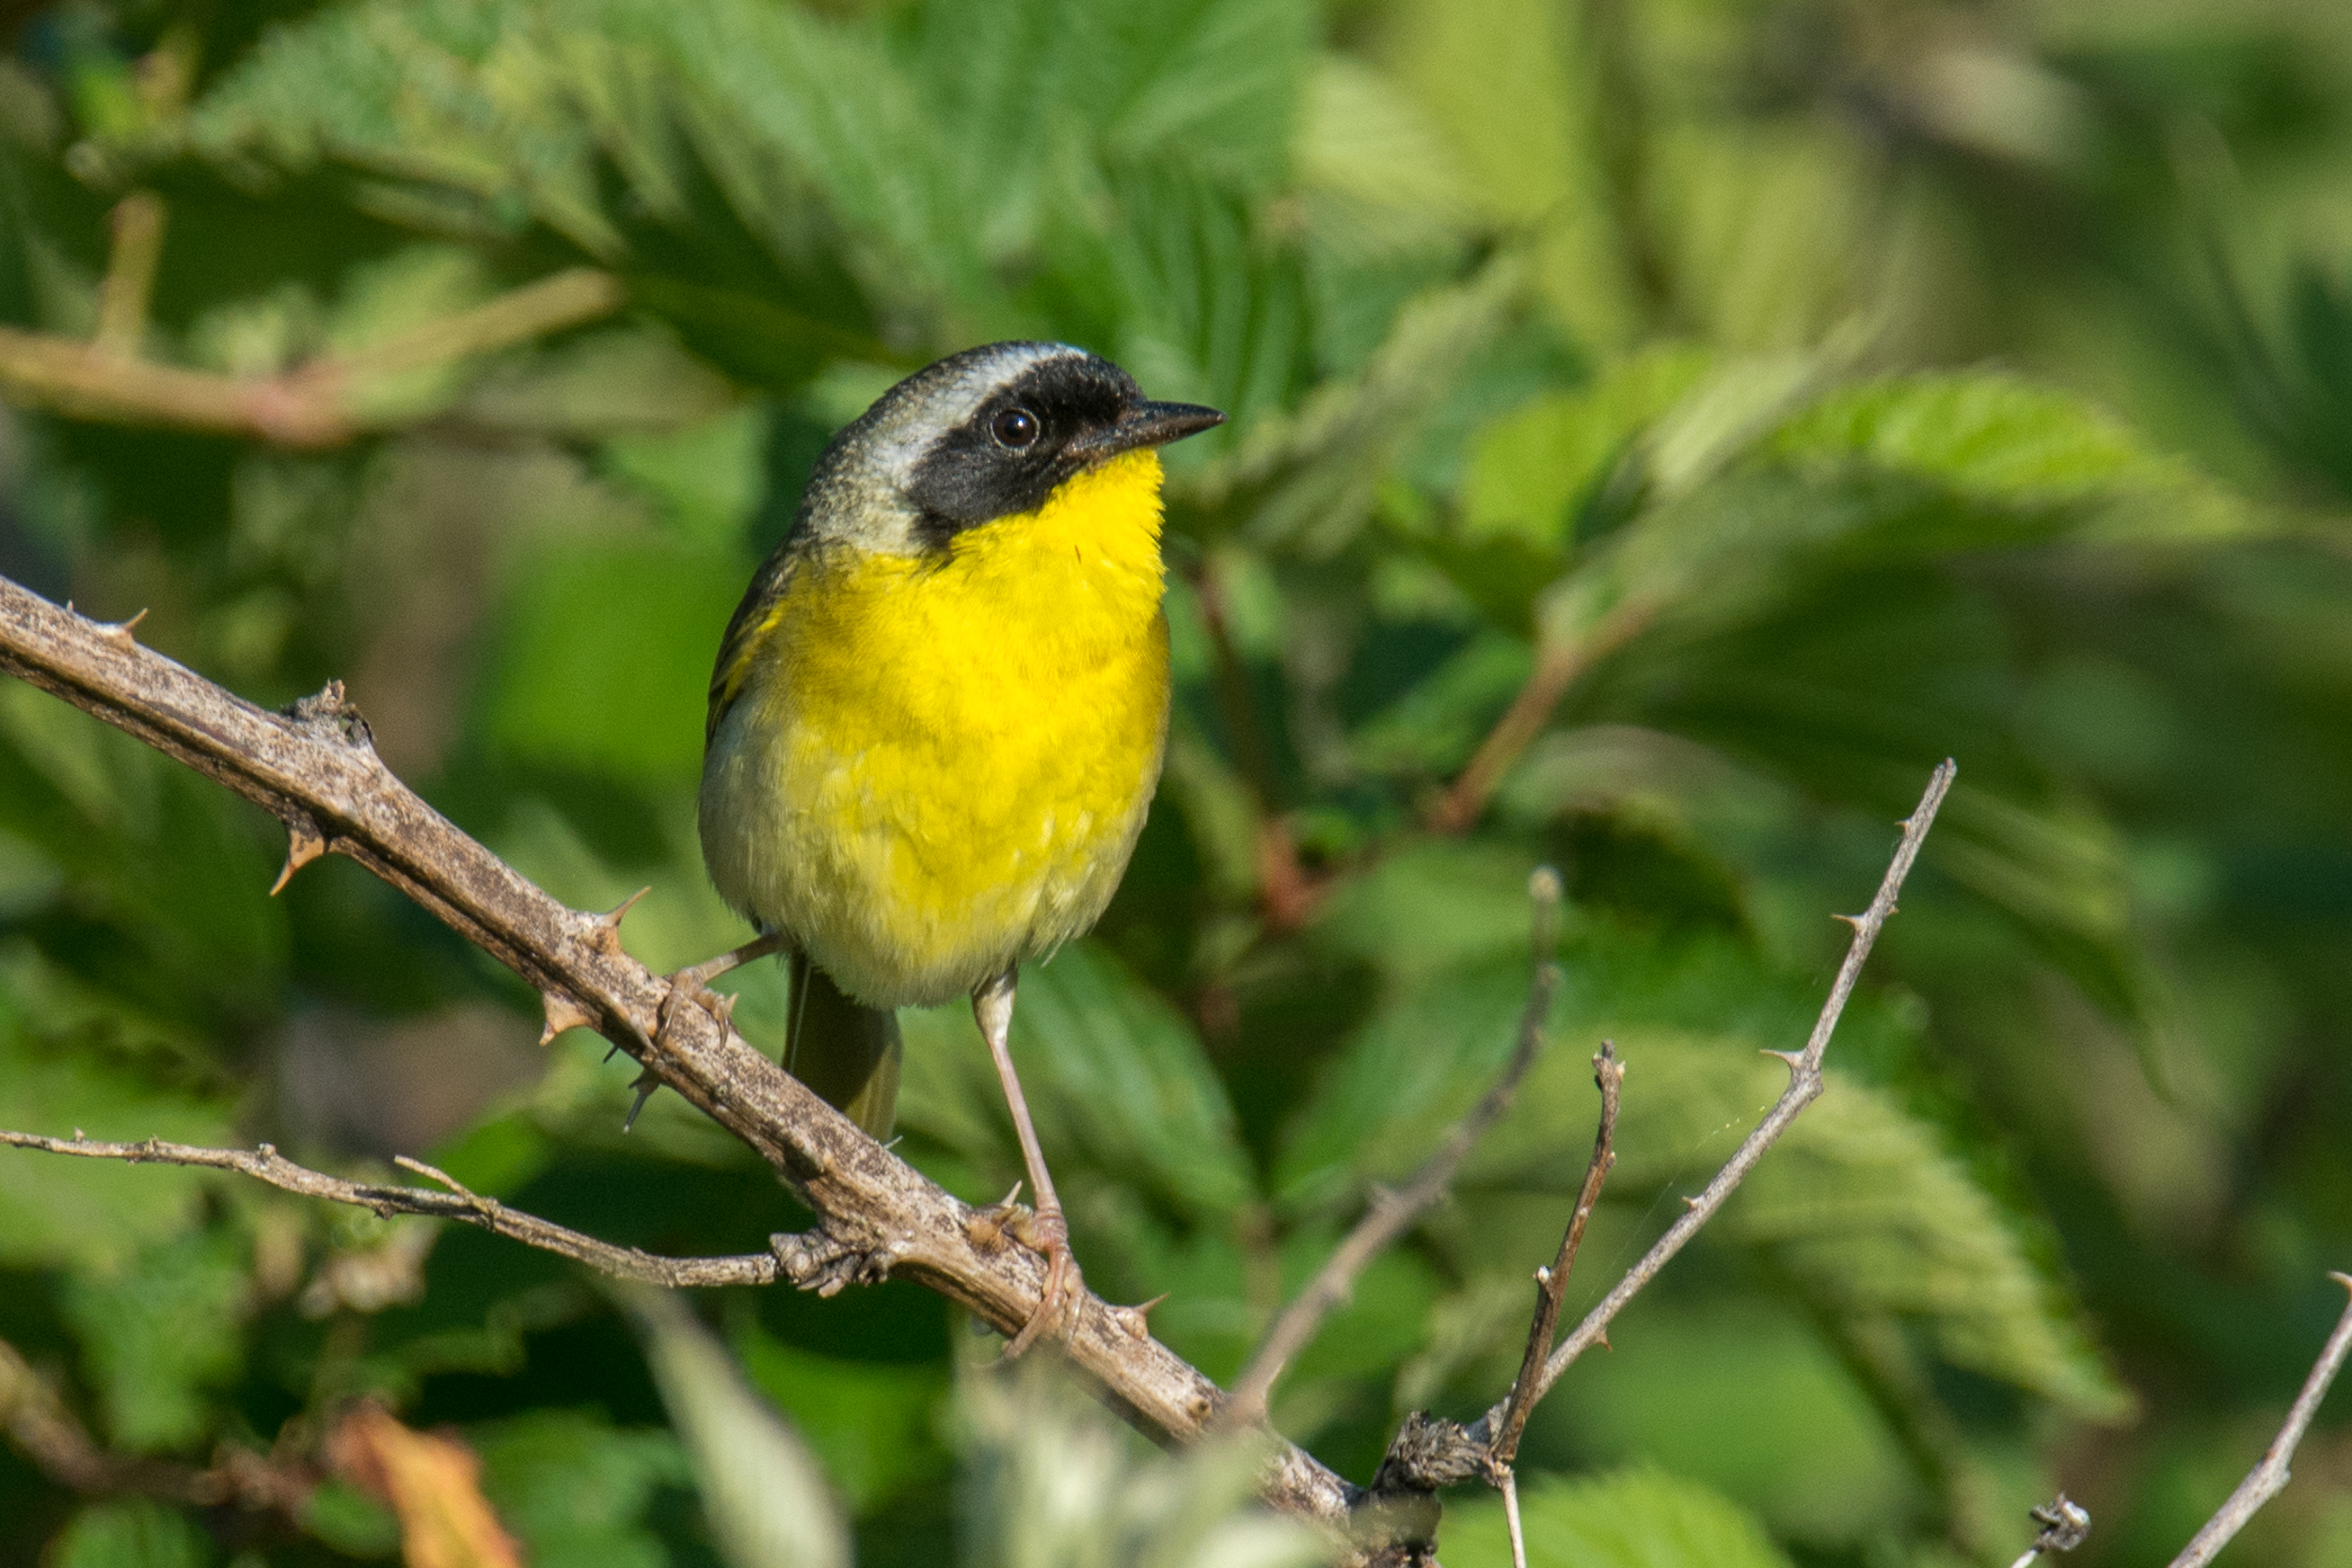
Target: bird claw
{"x": 1048, "y": 1235}
{"x": 688, "y": 987}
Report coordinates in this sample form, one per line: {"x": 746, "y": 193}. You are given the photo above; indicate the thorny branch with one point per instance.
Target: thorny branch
{"x": 315, "y": 770}
{"x": 1391, "y": 1213}
{"x": 791, "y": 1256}
{"x": 2267, "y": 1478}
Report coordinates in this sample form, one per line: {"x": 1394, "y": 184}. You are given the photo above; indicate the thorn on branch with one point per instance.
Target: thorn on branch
{"x": 604, "y": 930}
{"x": 304, "y": 844}
{"x": 564, "y": 1013}
{"x": 1135, "y": 1319}
{"x": 119, "y": 632}
{"x": 645, "y": 1085}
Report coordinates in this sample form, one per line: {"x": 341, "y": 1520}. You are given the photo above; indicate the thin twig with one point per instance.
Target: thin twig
{"x": 318, "y": 405}
{"x": 314, "y": 770}
{"x": 2267, "y": 1478}
{"x": 1804, "y": 1087}
{"x": 1551, "y": 1284}
{"x": 1429, "y": 1452}
{"x": 266, "y": 1164}
{"x": 1391, "y": 1213}
{"x": 1510, "y": 1484}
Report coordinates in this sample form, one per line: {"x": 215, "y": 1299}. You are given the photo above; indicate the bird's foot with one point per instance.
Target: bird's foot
{"x": 691, "y": 986}
{"x": 1047, "y": 1234}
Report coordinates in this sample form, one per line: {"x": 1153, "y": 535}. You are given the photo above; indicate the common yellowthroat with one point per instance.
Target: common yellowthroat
{"x": 938, "y": 715}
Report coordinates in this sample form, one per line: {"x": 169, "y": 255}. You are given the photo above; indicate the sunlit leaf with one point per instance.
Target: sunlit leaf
{"x": 1632, "y": 1519}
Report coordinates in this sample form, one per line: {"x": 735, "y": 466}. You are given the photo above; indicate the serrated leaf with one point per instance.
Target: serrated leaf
{"x": 1109, "y": 1069}
{"x": 1633, "y": 1520}
{"x": 1308, "y": 481}
{"x": 762, "y": 1489}
{"x": 1210, "y": 83}
{"x": 2001, "y": 437}
{"x": 1530, "y": 469}
{"x": 1859, "y": 1201}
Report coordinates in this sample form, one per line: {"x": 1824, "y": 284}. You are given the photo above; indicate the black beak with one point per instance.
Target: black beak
{"x": 1150, "y": 424}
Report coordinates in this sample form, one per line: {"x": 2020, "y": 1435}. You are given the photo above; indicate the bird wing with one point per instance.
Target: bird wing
{"x": 755, "y": 619}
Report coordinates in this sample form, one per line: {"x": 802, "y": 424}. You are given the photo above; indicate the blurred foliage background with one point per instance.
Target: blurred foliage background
{"x": 1798, "y": 390}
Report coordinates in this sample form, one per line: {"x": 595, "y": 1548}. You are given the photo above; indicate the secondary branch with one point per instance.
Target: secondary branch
{"x": 789, "y": 1258}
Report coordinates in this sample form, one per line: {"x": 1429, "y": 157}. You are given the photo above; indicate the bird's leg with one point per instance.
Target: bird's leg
{"x": 694, "y": 984}
{"x": 1048, "y": 1232}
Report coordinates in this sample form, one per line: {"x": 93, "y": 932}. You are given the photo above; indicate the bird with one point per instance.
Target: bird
{"x": 937, "y": 719}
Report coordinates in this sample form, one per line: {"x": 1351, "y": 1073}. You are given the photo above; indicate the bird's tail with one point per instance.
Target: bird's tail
{"x": 847, "y": 1052}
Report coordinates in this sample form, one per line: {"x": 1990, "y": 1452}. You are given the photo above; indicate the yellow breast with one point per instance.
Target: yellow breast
{"x": 935, "y": 767}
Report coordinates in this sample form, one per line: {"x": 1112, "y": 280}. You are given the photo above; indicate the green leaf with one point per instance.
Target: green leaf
{"x": 762, "y": 1489}
{"x": 577, "y": 1489}
{"x": 818, "y": 104}
{"x": 1632, "y": 1519}
{"x": 1738, "y": 1393}
{"x": 1858, "y": 1204}
{"x": 1110, "y": 1070}
{"x": 461, "y": 97}
{"x": 134, "y": 1534}
{"x": 1212, "y": 83}
{"x": 1996, "y": 437}
{"x": 1309, "y": 479}
{"x": 1531, "y": 470}
{"x": 876, "y": 1425}
{"x": 161, "y": 1331}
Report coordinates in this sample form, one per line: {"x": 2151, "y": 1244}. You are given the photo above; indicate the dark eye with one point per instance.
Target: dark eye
{"x": 1014, "y": 427}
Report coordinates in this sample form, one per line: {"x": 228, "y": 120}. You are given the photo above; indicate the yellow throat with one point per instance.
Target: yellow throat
{"x": 936, "y": 765}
